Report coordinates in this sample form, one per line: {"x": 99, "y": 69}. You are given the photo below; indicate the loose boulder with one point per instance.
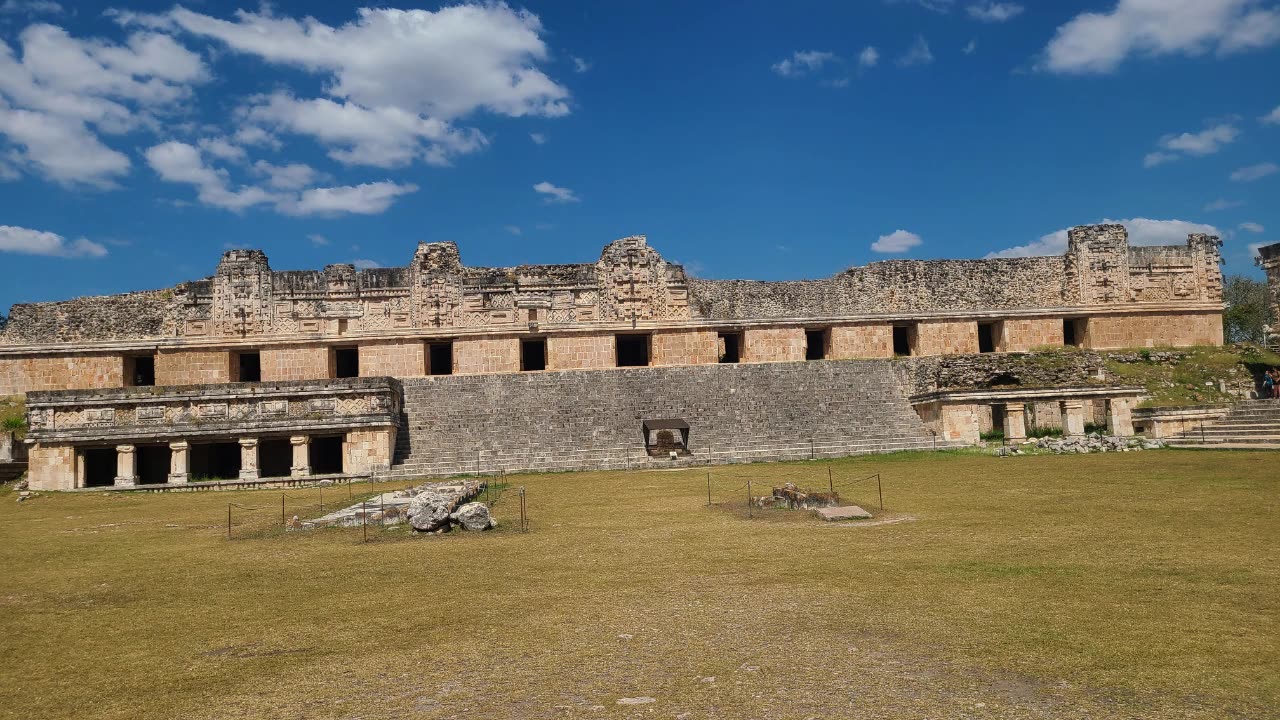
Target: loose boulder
{"x": 474, "y": 516}
{"x": 429, "y": 511}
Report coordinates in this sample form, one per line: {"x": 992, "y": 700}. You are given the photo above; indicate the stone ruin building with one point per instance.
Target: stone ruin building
{"x": 1269, "y": 260}
{"x": 438, "y": 368}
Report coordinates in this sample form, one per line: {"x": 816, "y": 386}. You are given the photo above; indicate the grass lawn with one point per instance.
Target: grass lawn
{"x": 1137, "y": 585}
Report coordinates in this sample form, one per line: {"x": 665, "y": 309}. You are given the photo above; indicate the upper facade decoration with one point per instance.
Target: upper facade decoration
{"x": 631, "y": 284}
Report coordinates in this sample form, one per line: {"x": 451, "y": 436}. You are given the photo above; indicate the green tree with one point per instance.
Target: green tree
{"x": 3, "y": 321}
{"x": 1247, "y": 309}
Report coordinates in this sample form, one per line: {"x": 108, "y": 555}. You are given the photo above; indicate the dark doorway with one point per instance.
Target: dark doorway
{"x": 275, "y": 457}
{"x": 732, "y": 344}
{"x": 440, "y": 358}
{"x": 249, "y": 366}
{"x": 901, "y": 340}
{"x": 99, "y": 467}
{"x": 815, "y": 344}
{"x": 140, "y": 370}
{"x": 153, "y": 464}
{"x": 997, "y": 417}
{"x": 326, "y": 455}
{"x": 633, "y": 350}
{"x": 346, "y": 362}
{"x": 986, "y": 337}
{"x": 1074, "y": 331}
{"x": 533, "y": 355}
{"x": 215, "y": 461}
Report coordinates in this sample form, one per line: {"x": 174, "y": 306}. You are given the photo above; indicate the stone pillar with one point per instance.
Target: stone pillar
{"x": 1072, "y": 418}
{"x": 6, "y": 447}
{"x": 126, "y": 466}
{"x": 301, "y": 456}
{"x": 1120, "y": 417}
{"x": 179, "y": 462}
{"x": 248, "y": 458}
{"x": 1015, "y": 422}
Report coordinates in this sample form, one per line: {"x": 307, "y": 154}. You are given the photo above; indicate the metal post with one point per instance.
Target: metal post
{"x": 283, "y": 521}
{"x": 748, "y": 498}
{"x": 880, "y": 490}
{"x": 524, "y": 521}
{"x": 364, "y": 519}
{"x": 831, "y": 486}
{"x": 321, "y": 499}
{"x": 382, "y": 507}
{"x": 708, "y": 488}
{"x": 228, "y": 521}
{"x": 810, "y": 448}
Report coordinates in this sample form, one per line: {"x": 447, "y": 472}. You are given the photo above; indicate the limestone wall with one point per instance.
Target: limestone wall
{"x": 191, "y": 367}
{"x": 1153, "y": 330}
{"x": 297, "y": 362}
{"x": 20, "y": 375}
{"x": 861, "y": 341}
{"x": 486, "y": 355}
{"x": 394, "y": 358}
{"x": 1023, "y": 334}
{"x": 580, "y": 352}
{"x": 773, "y": 345}
{"x": 685, "y": 347}
{"x": 946, "y": 338}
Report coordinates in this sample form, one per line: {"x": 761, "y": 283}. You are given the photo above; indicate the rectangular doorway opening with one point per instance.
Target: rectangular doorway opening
{"x": 275, "y": 457}
{"x": 346, "y": 362}
{"x": 903, "y": 340}
{"x": 986, "y": 337}
{"x": 215, "y": 461}
{"x": 248, "y": 367}
{"x": 99, "y": 467}
{"x": 632, "y": 350}
{"x": 815, "y": 344}
{"x": 325, "y": 454}
{"x": 140, "y": 370}
{"x": 440, "y": 358}
{"x": 533, "y": 355}
{"x": 153, "y": 464}
{"x": 730, "y": 347}
{"x": 1073, "y": 331}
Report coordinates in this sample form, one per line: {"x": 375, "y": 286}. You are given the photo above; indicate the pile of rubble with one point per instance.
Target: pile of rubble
{"x": 793, "y": 498}
{"x": 433, "y": 507}
{"x": 1091, "y": 443}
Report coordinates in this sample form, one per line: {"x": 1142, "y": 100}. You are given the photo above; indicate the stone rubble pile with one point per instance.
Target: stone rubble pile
{"x": 792, "y": 497}
{"x": 1091, "y": 443}
{"x": 433, "y": 507}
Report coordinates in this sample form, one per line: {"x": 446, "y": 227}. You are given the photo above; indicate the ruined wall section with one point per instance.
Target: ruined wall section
{"x": 108, "y": 317}
{"x": 1269, "y": 260}
{"x": 893, "y": 286}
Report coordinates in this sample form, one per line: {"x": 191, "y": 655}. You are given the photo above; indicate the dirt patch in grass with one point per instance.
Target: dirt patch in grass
{"x": 1116, "y": 585}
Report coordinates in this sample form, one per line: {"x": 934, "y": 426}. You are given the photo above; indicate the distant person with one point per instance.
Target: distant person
{"x": 1269, "y": 384}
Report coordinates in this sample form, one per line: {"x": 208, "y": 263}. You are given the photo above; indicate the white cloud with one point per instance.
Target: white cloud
{"x": 1252, "y": 227}
{"x": 1271, "y": 118}
{"x": 938, "y": 6}
{"x": 538, "y": 138}
{"x": 580, "y": 65}
{"x": 970, "y": 48}
{"x": 994, "y": 12}
{"x": 30, "y": 7}
{"x": 917, "y": 54}
{"x": 383, "y": 137}
{"x": 1152, "y": 159}
{"x": 318, "y": 240}
{"x": 513, "y": 229}
{"x": 362, "y": 264}
{"x": 554, "y": 194}
{"x": 1255, "y": 172}
{"x": 254, "y": 135}
{"x": 363, "y": 199}
{"x": 898, "y": 241}
{"x": 803, "y": 62}
{"x": 293, "y": 176}
{"x": 1222, "y": 204}
{"x": 179, "y": 162}
{"x": 869, "y": 57}
{"x": 1205, "y": 142}
{"x": 1142, "y": 231}
{"x": 65, "y": 91}
{"x": 1098, "y": 42}
{"x": 222, "y": 148}
{"x": 25, "y": 241}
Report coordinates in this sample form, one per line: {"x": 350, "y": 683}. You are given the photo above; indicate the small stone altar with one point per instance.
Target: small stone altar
{"x": 430, "y": 507}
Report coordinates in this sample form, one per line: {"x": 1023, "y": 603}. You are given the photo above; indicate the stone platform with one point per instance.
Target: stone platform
{"x": 847, "y": 512}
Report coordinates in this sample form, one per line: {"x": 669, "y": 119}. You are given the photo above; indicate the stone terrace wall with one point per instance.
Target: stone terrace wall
{"x": 921, "y": 375}
{"x": 110, "y": 317}
{"x": 894, "y": 286}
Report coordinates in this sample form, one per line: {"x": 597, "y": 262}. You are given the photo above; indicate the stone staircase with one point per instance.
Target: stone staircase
{"x": 590, "y": 419}
{"x": 1251, "y": 425}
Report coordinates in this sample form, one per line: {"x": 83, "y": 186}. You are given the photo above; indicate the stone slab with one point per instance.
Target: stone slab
{"x": 847, "y": 512}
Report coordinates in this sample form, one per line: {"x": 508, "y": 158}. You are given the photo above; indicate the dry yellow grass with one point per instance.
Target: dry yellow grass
{"x": 1120, "y": 585}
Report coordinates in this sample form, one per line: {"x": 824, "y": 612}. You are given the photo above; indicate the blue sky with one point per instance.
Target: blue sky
{"x": 752, "y": 139}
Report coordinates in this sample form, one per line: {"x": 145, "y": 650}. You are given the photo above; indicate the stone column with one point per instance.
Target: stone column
{"x": 179, "y": 462}
{"x": 6, "y": 447}
{"x": 1072, "y": 418}
{"x": 1120, "y": 417}
{"x": 301, "y": 456}
{"x": 1015, "y": 422}
{"x": 248, "y": 458}
{"x": 126, "y": 466}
